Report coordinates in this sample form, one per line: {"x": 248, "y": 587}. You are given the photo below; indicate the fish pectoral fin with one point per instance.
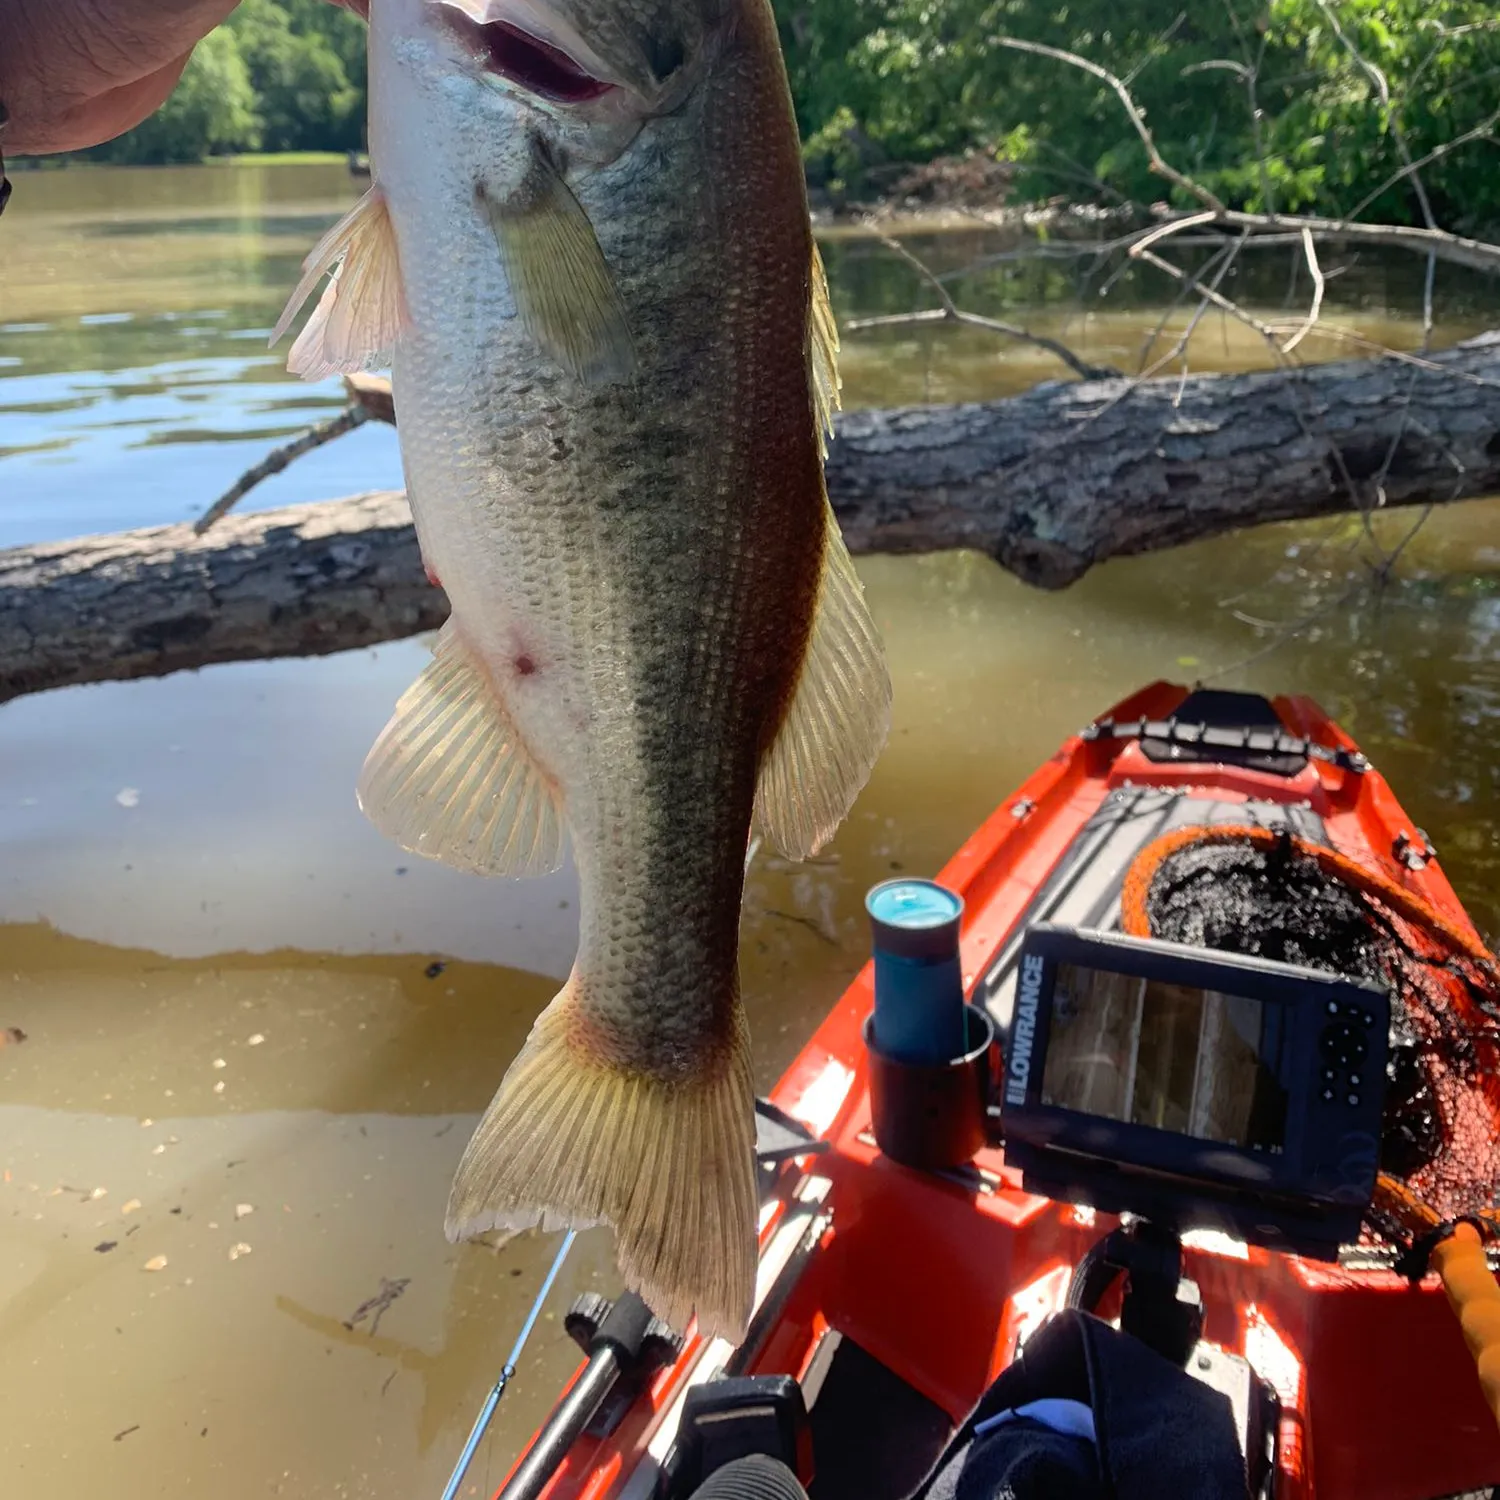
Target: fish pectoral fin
{"x": 572, "y": 1141}
{"x": 839, "y": 716}
{"x": 823, "y": 354}
{"x": 565, "y": 292}
{"x": 363, "y": 307}
{"x": 450, "y": 778}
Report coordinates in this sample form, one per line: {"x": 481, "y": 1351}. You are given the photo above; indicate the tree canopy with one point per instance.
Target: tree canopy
{"x": 279, "y": 75}
{"x": 1272, "y": 104}
{"x": 1298, "y": 105}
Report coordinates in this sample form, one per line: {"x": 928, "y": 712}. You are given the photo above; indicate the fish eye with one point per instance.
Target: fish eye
{"x": 533, "y": 64}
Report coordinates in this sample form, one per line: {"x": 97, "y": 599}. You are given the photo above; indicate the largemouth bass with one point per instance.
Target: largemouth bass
{"x": 587, "y": 247}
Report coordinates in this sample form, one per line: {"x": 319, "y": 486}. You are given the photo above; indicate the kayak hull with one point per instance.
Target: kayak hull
{"x": 935, "y": 1278}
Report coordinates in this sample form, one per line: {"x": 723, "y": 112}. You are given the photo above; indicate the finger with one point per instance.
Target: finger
{"x": 91, "y": 122}
{"x": 77, "y": 72}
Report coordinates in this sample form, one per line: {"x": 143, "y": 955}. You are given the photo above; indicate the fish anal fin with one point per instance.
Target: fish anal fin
{"x": 363, "y": 307}
{"x": 565, "y": 292}
{"x": 823, "y": 353}
{"x": 838, "y": 719}
{"x": 572, "y": 1141}
{"x": 451, "y": 779}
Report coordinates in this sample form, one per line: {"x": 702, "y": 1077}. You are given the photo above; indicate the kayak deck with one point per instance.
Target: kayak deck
{"x": 895, "y": 1297}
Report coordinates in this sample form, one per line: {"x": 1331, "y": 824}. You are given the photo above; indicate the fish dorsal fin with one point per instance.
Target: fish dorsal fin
{"x": 451, "y": 779}
{"x": 362, "y": 308}
{"x": 565, "y": 292}
{"x": 823, "y": 353}
{"x": 839, "y": 716}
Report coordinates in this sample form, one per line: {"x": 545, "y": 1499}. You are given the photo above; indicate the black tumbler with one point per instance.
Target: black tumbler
{"x": 933, "y": 1116}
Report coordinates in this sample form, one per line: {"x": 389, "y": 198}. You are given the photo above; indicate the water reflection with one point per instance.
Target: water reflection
{"x": 183, "y": 868}
{"x": 208, "y": 1165}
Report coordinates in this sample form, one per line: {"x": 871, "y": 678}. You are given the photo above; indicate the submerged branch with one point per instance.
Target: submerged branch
{"x": 1048, "y": 483}
{"x": 369, "y": 397}
{"x": 950, "y": 312}
{"x": 277, "y": 459}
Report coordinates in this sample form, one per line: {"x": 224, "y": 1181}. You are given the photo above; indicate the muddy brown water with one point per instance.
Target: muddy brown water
{"x": 257, "y": 1035}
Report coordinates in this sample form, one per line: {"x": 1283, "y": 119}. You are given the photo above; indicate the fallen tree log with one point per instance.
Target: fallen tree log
{"x": 1059, "y": 479}
{"x": 1049, "y": 483}
{"x": 301, "y": 581}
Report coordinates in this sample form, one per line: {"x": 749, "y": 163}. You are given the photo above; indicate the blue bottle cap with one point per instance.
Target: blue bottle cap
{"x": 915, "y": 919}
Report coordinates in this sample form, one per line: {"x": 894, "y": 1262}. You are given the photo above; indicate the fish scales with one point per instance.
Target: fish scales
{"x": 613, "y": 454}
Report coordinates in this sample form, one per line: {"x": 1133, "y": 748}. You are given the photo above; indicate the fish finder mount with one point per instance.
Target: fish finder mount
{"x": 1161, "y": 1307}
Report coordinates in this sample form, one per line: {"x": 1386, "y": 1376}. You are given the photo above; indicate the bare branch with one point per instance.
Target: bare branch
{"x": 1448, "y": 31}
{"x": 1250, "y": 75}
{"x": 1392, "y": 124}
{"x": 1427, "y": 239}
{"x": 950, "y": 312}
{"x": 1480, "y": 132}
{"x": 277, "y": 459}
{"x": 1218, "y": 299}
{"x": 1219, "y": 263}
{"x": 1139, "y": 248}
{"x": 1159, "y": 164}
{"x": 1310, "y": 250}
{"x": 1218, "y": 65}
{"x": 1478, "y": 255}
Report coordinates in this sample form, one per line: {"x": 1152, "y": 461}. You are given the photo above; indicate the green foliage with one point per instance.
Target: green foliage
{"x": 879, "y": 82}
{"x": 1263, "y": 101}
{"x": 279, "y": 75}
{"x": 1431, "y": 70}
{"x": 211, "y": 109}
{"x": 306, "y": 62}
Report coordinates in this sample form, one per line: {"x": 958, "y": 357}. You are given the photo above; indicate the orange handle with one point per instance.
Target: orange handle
{"x": 1475, "y": 1298}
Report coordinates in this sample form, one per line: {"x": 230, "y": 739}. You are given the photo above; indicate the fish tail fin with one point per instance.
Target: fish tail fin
{"x": 572, "y": 1140}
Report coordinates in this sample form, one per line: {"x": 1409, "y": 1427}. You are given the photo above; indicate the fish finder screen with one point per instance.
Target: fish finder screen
{"x": 1177, "y": 1057}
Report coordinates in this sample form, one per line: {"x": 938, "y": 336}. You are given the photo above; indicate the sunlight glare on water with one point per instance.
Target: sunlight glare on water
{"x": 251, "y": 1022}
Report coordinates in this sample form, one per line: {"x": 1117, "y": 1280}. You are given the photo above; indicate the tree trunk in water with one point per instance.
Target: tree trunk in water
{"x": 1048, "y": 483}
{"x": 1068, "y": 475}
{"x": 301, "y": 581}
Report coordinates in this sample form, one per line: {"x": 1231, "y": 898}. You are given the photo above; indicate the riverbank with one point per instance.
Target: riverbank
{"x": 67, "y": 160}
{"x": 946, "y": 193}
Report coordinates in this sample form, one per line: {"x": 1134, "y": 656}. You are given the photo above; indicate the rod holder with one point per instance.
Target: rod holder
{"x": 934, "y": 1116}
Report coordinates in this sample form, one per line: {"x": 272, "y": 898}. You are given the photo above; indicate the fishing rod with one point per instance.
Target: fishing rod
{"x": 487, "y": 1411}
{"x": 621, "y": 1337}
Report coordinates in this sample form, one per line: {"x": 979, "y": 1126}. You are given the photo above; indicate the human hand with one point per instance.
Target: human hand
{"x": 75, "y": 73}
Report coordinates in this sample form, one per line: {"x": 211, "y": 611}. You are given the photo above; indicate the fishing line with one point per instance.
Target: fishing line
{"x": 482, "y": 1421}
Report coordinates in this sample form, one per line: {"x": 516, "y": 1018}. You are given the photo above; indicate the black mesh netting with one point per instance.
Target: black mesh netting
{"x": 1277, "y": 899}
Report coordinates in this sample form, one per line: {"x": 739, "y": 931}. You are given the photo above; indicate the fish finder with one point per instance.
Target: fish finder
{"x": 1195, "y": 1088}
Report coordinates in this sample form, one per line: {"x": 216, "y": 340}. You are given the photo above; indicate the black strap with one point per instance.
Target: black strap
{"x": 1414, "y": 1262}
{"x": 4, "y": 180}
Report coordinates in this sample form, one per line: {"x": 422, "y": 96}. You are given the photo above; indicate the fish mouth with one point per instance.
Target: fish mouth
{"x": 537, "y": 66}
{"x": 535, "y": 57}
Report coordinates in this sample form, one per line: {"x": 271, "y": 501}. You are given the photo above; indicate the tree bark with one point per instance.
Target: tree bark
{"x": 301, "y": 581}
{"x": 1048, "y": 483}
{"x": 1070, "y": 474}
